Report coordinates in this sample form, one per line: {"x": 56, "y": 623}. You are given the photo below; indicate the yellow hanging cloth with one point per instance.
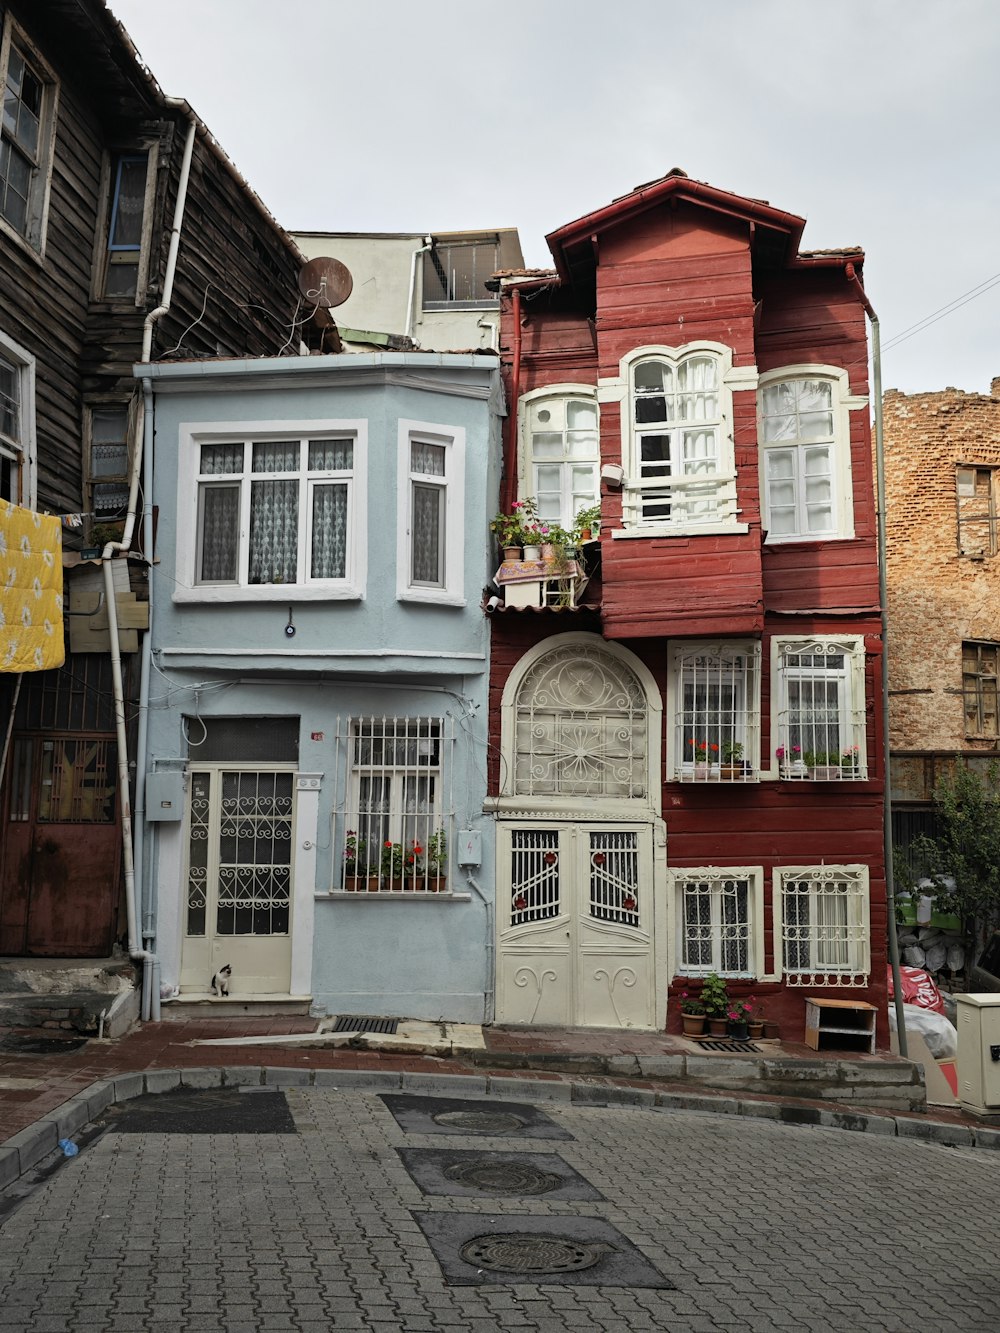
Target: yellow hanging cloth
{"x": 31, "y": 597}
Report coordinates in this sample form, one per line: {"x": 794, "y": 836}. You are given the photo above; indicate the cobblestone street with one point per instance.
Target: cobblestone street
{"x": 319, "y": 1223}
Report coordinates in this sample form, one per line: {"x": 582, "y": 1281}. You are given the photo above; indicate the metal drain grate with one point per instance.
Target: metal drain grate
{"x": 723, "y": 1045}
{"x": 365, "y": 1023}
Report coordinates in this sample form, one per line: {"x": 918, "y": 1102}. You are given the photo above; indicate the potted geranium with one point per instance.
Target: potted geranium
{"x": 790, "y": 761}
{"x": 705, "y": 753}
{"x": 731, "y": 768}
{"x": 585, "y": 524}
{"x": 358, "y": 869}
{"x": 738, "y": 1016}
{"x": 692, "y": 1014}
{"x": 715, "y": 998}
{"x": 823, "y": 765}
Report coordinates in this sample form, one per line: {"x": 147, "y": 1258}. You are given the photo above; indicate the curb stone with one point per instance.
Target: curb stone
{"x": 28, "y": 1147}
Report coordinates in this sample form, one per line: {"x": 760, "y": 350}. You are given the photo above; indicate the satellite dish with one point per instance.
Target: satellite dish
{"x": 326, "y": 282}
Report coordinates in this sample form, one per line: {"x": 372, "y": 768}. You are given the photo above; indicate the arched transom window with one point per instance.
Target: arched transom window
{"x": 580, "y": 727}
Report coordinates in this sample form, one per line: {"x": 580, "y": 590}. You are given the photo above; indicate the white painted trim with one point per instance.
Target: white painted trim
{"x": 843, "y": 402}
{"x": 755, "y": 874}
{"x": 677, "y": 648}
{"x": 682, "y": 530}
{"x": 47, "y": 137}
{"x": 318, "y": 652}
{"x": 28, "y": 444}
{"x": 452, "y": 439}
{"x": 193, "y": 434}
{"x": 305, "y": 831}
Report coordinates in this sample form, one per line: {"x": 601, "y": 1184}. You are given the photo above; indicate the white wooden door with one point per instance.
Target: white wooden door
{"x": 239, "y": 886}
{"x": 575, "y": 925}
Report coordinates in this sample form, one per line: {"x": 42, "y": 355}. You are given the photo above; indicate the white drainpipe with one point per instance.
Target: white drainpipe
{"x": 428, "y": 243}
{"x": 136, "y": 948}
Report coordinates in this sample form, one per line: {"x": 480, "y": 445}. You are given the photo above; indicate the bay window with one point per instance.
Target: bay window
{"x": 271, "y": 509}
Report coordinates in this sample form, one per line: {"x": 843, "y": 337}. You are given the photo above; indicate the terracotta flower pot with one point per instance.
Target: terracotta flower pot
{"x": 756, "y": 1031}
{"x": 717, "y": 1026}
{"x": 512, "y": 552}
{"x": 694, "y": 1024}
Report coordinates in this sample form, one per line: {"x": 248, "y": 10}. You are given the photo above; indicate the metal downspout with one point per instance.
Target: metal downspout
{"x": 488, "y": 998}
{"x": 136, "y": 950}
{"x": 890, "y": 878}
{"x": 509, "y": 483}
{"x": 146, "y": 892}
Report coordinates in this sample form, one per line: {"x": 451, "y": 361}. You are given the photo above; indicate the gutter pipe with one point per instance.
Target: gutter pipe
{"x": 488, "y": 1003}
{"x": 136, "y": 947}
{"x": 428, "y": 243}
{"x": 510, "y": 460}
{"x": 890, "y": 878}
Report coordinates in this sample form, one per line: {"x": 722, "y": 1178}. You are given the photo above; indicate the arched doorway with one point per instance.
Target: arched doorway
{"x": 579, "y": 841}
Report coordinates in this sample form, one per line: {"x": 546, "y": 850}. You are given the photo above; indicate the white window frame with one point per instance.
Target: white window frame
{"x": 842, "y": 403}
{"x": 527, "y": 485}
{"x": 620, "y": 390}
{"x": 193, "y": 435}
{"x": 22, "y": 451}
{"x": 719, "y": 876}
{"x": 451, "y": 590}
{"x": 856, "y": 969}
{"x": 33, "y": 239}
{"x": 150, "y": 149}
{"x": 850, "y": 702}
{"x": 683, "y": 730}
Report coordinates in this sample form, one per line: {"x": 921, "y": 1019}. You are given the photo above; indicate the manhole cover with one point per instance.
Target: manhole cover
{"x": 479, "y": 1122}
{"x": 522, "y": 1252}
{"x": 41, "y": 1045}
{"x": 503, "y": 1177}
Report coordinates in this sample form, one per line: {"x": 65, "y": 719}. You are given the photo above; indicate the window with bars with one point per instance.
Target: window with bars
{"x": 717, "y": 907}
{"x": 824, "y": 924}
{"x": 975, "y": 500}
{"x": 431, "y": 513}
{"x": 820, "y": 709}
{"x": 397, "y": 822}
{"x": 126, "y": 214}
{"x": 276, "y": 511}
{"x": 29, "y": 98}
{"x": 682, "y": 469}
{"x": 716, "y": 712}
{"x": 455, "y": 272}
{"x": 560, "y": 453}
{"x": 979, "y": 688}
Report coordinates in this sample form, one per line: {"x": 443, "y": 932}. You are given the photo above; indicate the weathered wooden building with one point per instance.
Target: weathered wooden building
{"x": 688, "y": 777}
{"x": 92, "y": 158}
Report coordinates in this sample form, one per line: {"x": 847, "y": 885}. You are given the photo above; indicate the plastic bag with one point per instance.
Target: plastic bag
{"x": 918, "y": 988}
{"x": 937, "y": 1032}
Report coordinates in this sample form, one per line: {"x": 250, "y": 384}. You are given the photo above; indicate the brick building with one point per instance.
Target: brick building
{"x": 942, "y": 464}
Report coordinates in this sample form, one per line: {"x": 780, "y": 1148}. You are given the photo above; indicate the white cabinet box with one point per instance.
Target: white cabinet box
{"x": 979, "y": 1052}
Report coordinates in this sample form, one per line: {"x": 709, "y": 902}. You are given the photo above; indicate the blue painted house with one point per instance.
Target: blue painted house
{"x": 312, "y": 764}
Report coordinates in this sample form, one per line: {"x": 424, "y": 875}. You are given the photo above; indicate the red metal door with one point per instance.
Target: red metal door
{"x": 59, "y": 869}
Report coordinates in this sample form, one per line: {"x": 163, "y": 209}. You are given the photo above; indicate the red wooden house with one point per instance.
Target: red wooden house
{"x": 687, "y": 771}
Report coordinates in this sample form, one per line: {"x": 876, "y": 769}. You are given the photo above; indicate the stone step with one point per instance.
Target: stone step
{"x": 191, "y": 1005}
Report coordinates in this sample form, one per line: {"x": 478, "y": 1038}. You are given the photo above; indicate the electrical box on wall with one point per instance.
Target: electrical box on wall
{"x": 164, "y": 796}
{"x": 978, "y": 1022}
{"x": 470, "y": 847}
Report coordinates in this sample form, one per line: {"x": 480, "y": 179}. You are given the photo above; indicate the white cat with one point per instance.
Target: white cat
{"x": 220, "y": 982}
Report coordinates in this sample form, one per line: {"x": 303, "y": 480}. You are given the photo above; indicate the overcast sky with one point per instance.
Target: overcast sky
{"x": 876, "y": 120}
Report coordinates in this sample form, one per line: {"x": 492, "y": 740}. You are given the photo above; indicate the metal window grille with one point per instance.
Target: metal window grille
{"x": 455, "y": 274}
{"x": 534, "y": 875}
{"x": 255, "y": 853}
{"x": 580, "y": 727}
{"x": 976, "y": 511}
{"x": 715, "y": 923}
{"x": 824, "y": 926}
{"x": 821, "y": 718}
{"x": 717, "y": 720}
{"x": 614, "y": 876}
{"x": 980, "y": 670}
{"x": 396, "y": 823}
